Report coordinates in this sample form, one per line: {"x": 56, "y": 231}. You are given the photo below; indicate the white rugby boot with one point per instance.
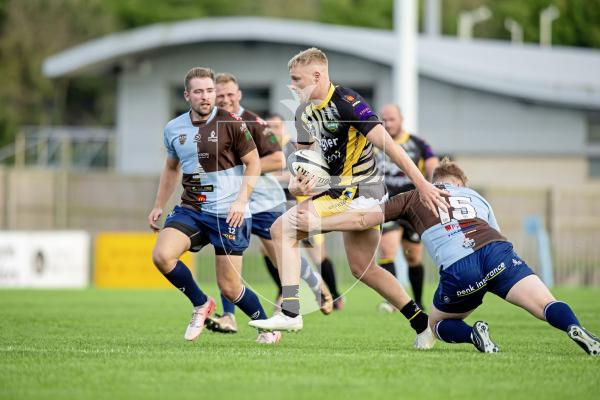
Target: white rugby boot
{"x": 199, "y": 315}
{"x": 268, "y": 337}
{"x": 481, "y": 338}
{"x": 278, "y": 322}
{"x": 585, "y": 340}
{"x": 425, "y": 340}
{"x": 222, "y": 323}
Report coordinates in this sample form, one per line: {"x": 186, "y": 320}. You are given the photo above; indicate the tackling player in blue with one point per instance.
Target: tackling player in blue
{"x": 473, "y": 258}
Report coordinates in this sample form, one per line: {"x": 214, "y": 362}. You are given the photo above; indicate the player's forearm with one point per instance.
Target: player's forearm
{"x": 272, "y": 162}
{"x": 251, "y": 174}
{"x": 353, "y": 221}
{"x": 166, "y": 186}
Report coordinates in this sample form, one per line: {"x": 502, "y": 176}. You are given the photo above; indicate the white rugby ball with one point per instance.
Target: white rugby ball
{"x": 309, "y": 162}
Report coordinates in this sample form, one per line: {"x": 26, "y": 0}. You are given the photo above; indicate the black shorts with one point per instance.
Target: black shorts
{"x": 408, "y": 231}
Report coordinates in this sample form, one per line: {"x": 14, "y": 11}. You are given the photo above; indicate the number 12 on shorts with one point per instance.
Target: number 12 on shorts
{"x": 461, "y": 209}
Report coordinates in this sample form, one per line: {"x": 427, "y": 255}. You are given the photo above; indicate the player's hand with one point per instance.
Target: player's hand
{"x": 299, "y": 220}
{"x": 303, "y": 185}
{"x": 236, "y": 213}
{"x": 433, "y": 198}
{"x": 153, "y": 217}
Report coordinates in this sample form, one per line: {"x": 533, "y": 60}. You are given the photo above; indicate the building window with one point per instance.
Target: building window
{"x": 594, "y": 127}
{"x": 594, "y": 167}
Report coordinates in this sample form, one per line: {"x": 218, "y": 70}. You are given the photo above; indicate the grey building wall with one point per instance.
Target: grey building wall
{"x": 454, "y": 119}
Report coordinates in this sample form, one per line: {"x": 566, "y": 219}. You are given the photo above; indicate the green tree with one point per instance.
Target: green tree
{"x": 31, "y": 31}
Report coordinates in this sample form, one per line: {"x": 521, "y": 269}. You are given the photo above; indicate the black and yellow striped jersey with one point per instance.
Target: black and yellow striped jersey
{"x": 339, "y": 125}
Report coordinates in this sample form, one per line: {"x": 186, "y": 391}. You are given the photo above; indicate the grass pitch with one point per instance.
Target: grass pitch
{"x": 114, "y": 344}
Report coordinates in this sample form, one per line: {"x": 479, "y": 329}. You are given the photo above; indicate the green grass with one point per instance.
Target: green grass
{"x": 111, "y": 344}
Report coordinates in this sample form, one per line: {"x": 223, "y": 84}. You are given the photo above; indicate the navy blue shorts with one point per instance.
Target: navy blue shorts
{"x": 261, "y": 223}
{"x": 203, "y": 229}
{"x": 494, "y": 268}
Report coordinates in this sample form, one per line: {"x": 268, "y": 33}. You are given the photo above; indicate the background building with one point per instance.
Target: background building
{"x": 518, "y": 114}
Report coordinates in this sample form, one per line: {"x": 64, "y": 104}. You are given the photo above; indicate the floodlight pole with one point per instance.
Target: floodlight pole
{"x": 515, "y": 29}
{"x": 432, "y": 18}
{"x": 468, "y": 19}
{"x": 405, "y": 75}
{"x": 547, "y": 16}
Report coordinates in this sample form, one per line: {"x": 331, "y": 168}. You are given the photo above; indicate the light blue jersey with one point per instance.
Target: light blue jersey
{"x": 210, "y": 155}
{"x": 468, "y": 225}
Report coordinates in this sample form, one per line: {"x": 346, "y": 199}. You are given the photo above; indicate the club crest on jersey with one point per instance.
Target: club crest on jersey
{"x": 182, "y": 139}
{"x": 201, "y": 198}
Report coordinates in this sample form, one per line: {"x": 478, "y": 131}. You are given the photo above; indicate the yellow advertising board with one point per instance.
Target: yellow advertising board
{"x": 124, "y": 260}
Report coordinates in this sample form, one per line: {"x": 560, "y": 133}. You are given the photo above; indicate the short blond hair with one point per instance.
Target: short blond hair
{"x": 307, "y": 57}
{"x": 225, "y": 77}
{"x": 448, "y": 168}
{"x": 198, "y": 72}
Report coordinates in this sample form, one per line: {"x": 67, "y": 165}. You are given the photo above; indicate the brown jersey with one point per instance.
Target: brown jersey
{"x": 210, "y": 154}
{"x": 265, "y": 140}
{"x": 267, "y": 194}
{"x": 468, "y": 225}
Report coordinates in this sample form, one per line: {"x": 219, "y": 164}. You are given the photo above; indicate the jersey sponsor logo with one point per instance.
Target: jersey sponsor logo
{"x": 213, "y": 137}
{"x": 327, "y": 143}
{"x": 182, "y": 139}
{"x": 349, "y": 98}
{"x": 203, "y": 156}
{"x": 363, "y": 112}
{"x": 516, "y": 262}
{"x": 202, "y": 188}
{"x": 197, "y": 137}
{"x": 468, "y": 243}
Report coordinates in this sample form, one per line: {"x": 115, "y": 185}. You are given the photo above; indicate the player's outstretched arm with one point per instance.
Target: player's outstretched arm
{"x": 166, "y": 186}
{"x": 237, "y": 210}
{"x": 431, "y": 196}
{"x": 349, "y": 221}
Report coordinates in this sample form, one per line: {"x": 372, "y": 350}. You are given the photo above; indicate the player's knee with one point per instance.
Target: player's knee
{"x": 163, "y": 260}
{"x": 276, "y": 230}
{"x": 230, "y": 291}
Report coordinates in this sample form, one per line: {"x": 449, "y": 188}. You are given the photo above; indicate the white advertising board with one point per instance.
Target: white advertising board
{"x": 53, "y": 259}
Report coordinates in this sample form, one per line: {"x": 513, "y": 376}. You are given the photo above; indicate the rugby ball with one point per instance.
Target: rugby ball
{"x": 309, "y": 162}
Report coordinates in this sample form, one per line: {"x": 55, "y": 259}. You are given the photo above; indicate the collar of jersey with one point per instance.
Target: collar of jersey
{"x": 200, "y": 123}
{"x": 327, "y": 98}
{"x": 240, "y": 112}
{"x": 403, "y": 138}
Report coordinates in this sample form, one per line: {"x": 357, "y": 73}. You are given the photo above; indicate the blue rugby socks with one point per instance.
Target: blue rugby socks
{"x": 560, "y": 315}
{"x": 454, "y": 331}
{"x": 181, "y": 277}
{"x": 248, "y": 302}
{"x": 228, "y": 307}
